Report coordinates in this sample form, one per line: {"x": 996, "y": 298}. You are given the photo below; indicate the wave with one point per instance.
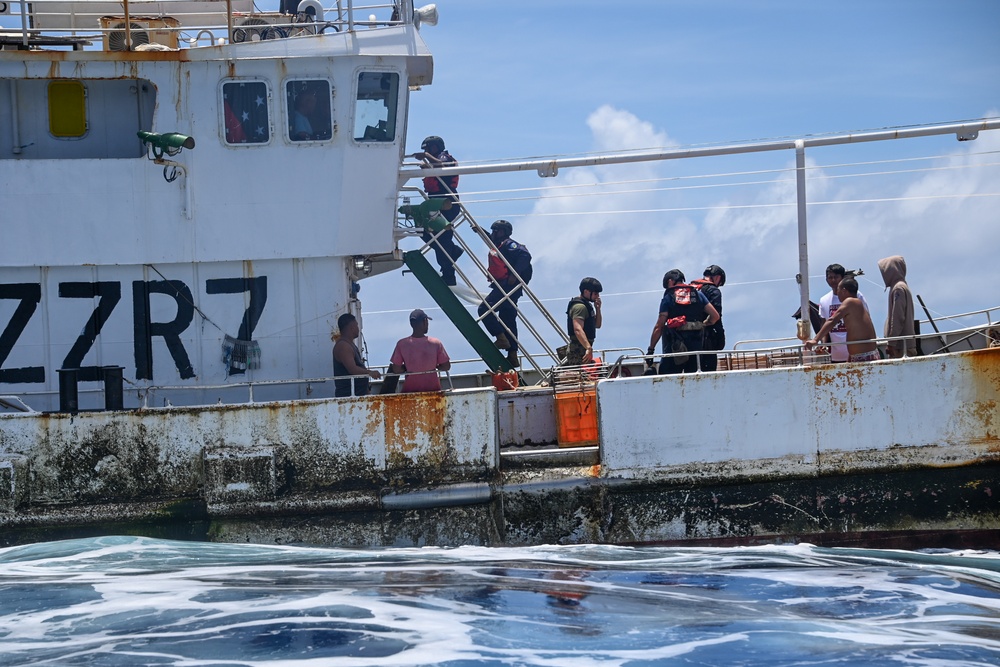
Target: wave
{"x": 141, "y": 601}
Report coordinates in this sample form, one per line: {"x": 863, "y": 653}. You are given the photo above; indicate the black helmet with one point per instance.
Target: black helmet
{"x": 504, "y": 225}
{"x": 430, "y": 141}
{"x": 715, "y": 270}
{"x": 673, "y": 274}
{"x": 593, "y": 284}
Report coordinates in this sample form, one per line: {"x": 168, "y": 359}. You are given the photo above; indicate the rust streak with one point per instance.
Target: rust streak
{"x": 373, "y": 423}
{"x": 985, "y": 367}
{"x": 986, "y": 370}
{"x": 842, "y": 377}
{"x": 411, "y": 418}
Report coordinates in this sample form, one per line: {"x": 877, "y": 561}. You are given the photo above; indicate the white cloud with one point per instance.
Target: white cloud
{"x": 618, "y": 130}
{"x": 597, "y": 206}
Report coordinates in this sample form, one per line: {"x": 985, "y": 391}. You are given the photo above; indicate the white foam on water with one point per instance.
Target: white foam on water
{"x": 126, "y": 601}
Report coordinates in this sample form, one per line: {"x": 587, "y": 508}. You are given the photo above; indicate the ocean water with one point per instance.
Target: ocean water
{"x": 137, "y": 601}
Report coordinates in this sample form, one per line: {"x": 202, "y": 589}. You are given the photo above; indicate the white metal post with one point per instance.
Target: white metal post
{"x": 128, "y": 28}
{"x": 803, "y": 277}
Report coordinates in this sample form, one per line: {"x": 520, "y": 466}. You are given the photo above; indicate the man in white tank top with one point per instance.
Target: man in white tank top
{"x": 829, "y": 304}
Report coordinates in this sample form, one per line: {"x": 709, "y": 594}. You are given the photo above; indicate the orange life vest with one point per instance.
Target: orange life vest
{"x": 497, "y": 268}
{"x": 685, "y": 295}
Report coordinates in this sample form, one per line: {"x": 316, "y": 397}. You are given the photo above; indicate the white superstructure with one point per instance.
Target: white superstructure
{"x": 113, "y": 258}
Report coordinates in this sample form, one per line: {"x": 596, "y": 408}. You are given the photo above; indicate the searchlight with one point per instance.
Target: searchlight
{"x": 170, "y": 143}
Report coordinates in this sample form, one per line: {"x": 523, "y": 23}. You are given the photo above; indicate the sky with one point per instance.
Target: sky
{"x": 518, "y": 80}
{"x": 555, "y": 78}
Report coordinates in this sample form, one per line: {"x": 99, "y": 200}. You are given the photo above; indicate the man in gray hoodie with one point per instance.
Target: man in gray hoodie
{"x": 899, "y": 321}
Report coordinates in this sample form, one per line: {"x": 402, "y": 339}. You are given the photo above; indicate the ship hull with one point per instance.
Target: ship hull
{"x": 867, "y": 451}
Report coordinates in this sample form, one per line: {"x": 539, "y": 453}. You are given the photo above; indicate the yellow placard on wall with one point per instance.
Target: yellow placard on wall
{"x": 67, "y": 109}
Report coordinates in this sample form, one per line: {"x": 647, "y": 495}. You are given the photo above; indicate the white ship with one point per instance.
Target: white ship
{"x": 154, "y": 157}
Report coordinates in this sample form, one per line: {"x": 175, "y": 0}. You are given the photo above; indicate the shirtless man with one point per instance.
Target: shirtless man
{"x": 854, "y": 315}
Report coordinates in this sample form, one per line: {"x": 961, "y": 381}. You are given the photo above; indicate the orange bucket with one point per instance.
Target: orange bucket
{"x": 505, "y": 381}
{"x": 576, "y": 418}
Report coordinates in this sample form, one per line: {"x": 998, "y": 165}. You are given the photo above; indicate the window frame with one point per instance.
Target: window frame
{"x": 289, "y": 111}
{"x": 268, "y": 105}
{"x": 395, "y": 113}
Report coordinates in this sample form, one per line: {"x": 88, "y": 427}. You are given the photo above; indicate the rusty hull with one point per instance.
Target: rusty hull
{"x": 782, "y": 459}
{"x": 250, "y": 460}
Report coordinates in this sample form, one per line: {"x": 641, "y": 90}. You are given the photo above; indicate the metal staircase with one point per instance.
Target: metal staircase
{"x": 470, "y": 323}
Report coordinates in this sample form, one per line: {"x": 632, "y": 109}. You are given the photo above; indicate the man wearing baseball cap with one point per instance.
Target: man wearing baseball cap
{"x": 420, "y": 357}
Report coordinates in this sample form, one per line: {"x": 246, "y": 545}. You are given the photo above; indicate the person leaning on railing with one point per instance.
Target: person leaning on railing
{"x": 857, "y": 322}
{"x": 347, "y": 360}
{"x": 418, "y": 355}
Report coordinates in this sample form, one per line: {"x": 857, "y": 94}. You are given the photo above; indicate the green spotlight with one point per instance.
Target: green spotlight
{"x": 170, "y": 143}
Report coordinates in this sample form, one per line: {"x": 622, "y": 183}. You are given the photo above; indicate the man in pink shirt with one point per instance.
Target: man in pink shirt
{"x": 420, "y": 357}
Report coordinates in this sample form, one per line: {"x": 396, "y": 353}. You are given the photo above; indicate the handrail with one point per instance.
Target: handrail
{"x": 550, "y": 167}
{"x": 762, "y": 340}
{"x": 967, "y": 332}
{"x": 45, "y": 21}
{"x": 772, "y": 357}
{"x": 987, "y": 311}
{"x": 775, "y": 353}
{"x": 17, "y": 405}
{"x": 963, "y": 339}
{"x": 800, "y": 350}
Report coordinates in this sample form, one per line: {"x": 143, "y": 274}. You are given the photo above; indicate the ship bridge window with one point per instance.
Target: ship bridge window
{"x": 245, "y": 112}
{"x": 308, "y": 104}
{"x": 67, "y": 109}
{"x": 375, "y": 113}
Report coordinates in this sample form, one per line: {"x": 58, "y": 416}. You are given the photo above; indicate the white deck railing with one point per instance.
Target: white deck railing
{"x": 54, "y": 24}
{"x": 627, "y": 365}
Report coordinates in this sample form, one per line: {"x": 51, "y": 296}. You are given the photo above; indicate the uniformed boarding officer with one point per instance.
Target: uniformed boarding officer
{"x": 503, "y": 283}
